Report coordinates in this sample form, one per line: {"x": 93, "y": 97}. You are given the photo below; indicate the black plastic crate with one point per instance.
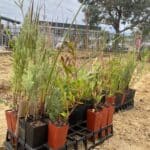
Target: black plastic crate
{"x": 82, "y": 136}
{"x": 42, "y": 147}
{"x": 11, "y": 141}
{"x": 130, "y": 95}
{"x": 78, "y": 135}
{"x": 21, "y": 144}
{"x": 126, "y": 106}
{"x": 8, "y": 145}
{"x": 80, "y": 112}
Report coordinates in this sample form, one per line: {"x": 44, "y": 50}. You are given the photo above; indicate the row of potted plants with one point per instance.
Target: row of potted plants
{"x": 48, "y": 88}
{"x": 66, "y": 95}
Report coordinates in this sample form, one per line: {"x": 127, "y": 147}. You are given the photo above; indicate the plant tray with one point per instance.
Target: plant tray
{"x": 8, "y": 145}
{"x": 85, "y": 138}
{"x": 11, "y": 141}
{"x": 126, "y": 106}
{"x": 79, "y": 137}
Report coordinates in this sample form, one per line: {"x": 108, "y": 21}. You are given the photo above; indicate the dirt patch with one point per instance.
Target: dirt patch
{"x": 132, "y": 128}
{"x": 3, "y": 126}
{"x": 5, "y": 75}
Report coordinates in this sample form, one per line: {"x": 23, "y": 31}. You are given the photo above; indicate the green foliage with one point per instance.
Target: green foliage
{"x": 122, "y": 15}
{"x": 43, "y": 76}
{"x": 33, "y": 63}
{"x": 128, "y": 66}
{"x": 116, "y": 12}
{"x": 146, "y": 55}
{"x": 55, "y": 106}
{"x": 8, "y": 32}
{"x": 83, "y": 85}
{"x": 29, "y": 83}
{"x": 112, "y": 75}
{"x": 95, "y": 81}
{"x": 74, "y": 85}
{"x": 24, "y": 51}
{"x": 117, "y": 73}
{"x": 11, "y": 43}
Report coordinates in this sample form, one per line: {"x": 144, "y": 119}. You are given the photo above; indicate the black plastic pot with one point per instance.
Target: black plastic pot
{"x": 118, "y": 99}
{"x": 103, "y": 99}
{"x": 22, "y": 127}
{"x": 80, "y": 112}
{"x": 130, "y": 93}
{"x": 36, "y": 133}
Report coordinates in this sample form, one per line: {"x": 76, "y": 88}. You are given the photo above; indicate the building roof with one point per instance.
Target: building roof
{"x": 9, "y": 20}
{"x": 67, "y": 25}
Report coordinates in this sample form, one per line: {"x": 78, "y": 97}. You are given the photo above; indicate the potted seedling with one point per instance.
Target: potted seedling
{"x": 126, "y": 76}
{"x": 19, "y": 64}
{"x": 58, "y": 110}
{"x": 83, "y": 97}
{"x": 114, "y": 77}
{"x": 61, "y": 101}
{"x": 113, "y": 80}
{"x": 110, "y": 79}
{"x": 96, "y": 115}
{"x": 105, "y": 82}
{"x": 24, "y": 44}
{"x": 32, "y": 80}
{"x": 77, "y": 83}
{"x": 34, "y": 126}
{"x": 37, "y": 82}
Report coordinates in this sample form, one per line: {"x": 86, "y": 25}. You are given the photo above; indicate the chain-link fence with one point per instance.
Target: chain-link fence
{"x": 82, "y": 39}
{"x": 7, "y": 34}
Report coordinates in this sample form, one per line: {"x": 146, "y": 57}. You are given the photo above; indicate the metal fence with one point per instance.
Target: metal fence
{"x": 6, "y": 34}
{"x": 3, "y": 40}
{"x": 83, "y": 39}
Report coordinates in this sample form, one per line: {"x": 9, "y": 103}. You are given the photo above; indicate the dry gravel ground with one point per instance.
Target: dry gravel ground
{"x": 3, "y": 125}
{"x": 131, "y": 128}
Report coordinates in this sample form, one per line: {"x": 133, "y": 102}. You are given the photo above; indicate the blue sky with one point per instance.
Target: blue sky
{"x": 56, "y": 10}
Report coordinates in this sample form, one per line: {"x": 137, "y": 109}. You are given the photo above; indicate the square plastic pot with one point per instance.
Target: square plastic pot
{"x": 94, "y": 119}
{"x": 36, "y": 133}
{"x": 119, "y": 99}
{"x": 57, "y": 136}
{"x": 11, "y": 118}
{"x": 105, "y": 111}
{"x": 8, "y": 119}
{"x": 129, "y": 95}
{"x": 111, "y": 100}
{"x": 110, "y": 117}
{"x": 80, "y": 113}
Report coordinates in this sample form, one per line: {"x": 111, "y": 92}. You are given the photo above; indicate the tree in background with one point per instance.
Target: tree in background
{"x": 145, "y": 29}
{"x": 116, "y": 12}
